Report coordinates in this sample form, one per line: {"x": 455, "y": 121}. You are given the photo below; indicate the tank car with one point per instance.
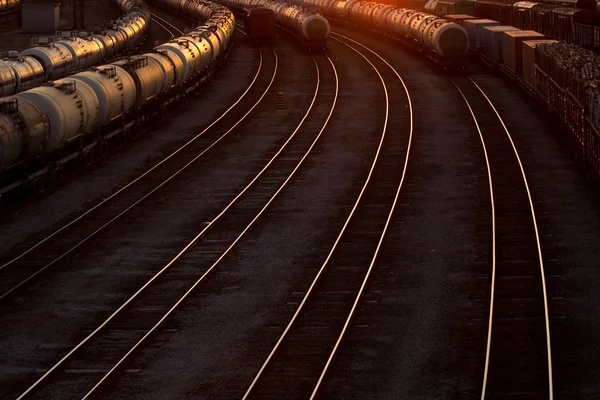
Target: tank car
{"x": 55, "y": 57}
{"x": 24, "y": 131}
{"x": 71, "y": 108}
{"x": 311, "y": 28}
{"x": 70, "y": 118}
{"x": 115, "y": 89}
{"x": 59, "y": 58}
{"x": 28, "y": 72}
{"x": 442, "y": 40}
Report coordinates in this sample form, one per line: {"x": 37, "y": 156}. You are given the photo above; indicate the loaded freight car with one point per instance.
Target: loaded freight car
{"x": 455, "y": 7}
{"x": 512, "y": 48}
{"x": 259, "y": 23}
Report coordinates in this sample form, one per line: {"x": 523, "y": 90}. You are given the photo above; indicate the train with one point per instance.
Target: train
{"x": 444, "y": 41}
{"x": 44, "y": 129}
{"x": 574, "y": 21}
{"x": 53, "y": 59}
{"x": 259, "y": 23}
{"x": 311, "y": 28}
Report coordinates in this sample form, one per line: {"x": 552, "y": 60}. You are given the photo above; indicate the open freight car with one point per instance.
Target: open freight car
{"x": 259, "y": 23}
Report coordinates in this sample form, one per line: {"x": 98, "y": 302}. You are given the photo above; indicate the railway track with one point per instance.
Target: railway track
{"x": 166, "y": 25}
{"x": 28, "y": 264}
{"x": 110, "y": 345}
{"x": 298, "y": 363}
{"x": 518, "y": 361}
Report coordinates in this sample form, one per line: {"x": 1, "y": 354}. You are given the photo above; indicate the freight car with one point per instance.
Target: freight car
{"x": 47, "y": 128}
{"x": 443, "y": 41}
{"x": 572, "y": 21}
{"x": 54, "y": 59}
{"x": 259, "y": 23}
{"x": 311, "y": 28}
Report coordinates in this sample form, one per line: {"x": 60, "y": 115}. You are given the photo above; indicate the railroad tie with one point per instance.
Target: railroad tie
{"x": 280, "y": 103}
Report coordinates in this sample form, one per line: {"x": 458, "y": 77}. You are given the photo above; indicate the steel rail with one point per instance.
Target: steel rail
{"x": 242, "y": 234}
{"x": 155, "y": 16}
{"x": 338, "y": 239}
{"x": 493, "y": 280}
{"x": 155, "y": 20}
{"x": 165, "y": 268}
{"x": 130, "y": 184}
{"x": 537, "y": 238}
{"x": 538, "y": 245}
{"x": 387, "y": 222}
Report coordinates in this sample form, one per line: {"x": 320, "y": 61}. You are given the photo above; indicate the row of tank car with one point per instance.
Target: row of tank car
{"x": 442, "y": 40}
{"x": 311, "y": 28}
{"x": 54, "y": 59}
{"x": 44, "y": 128}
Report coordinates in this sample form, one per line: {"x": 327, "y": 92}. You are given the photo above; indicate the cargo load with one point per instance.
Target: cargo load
{"x": 492, "y": 38}
{"x": 474, "y": 28}
{"x": 512, "y": 48}
{"x": 529, "y": 58}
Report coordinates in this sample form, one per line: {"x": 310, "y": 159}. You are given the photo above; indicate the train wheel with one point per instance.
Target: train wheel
{"x": 39, "y": 184}
{"x": 56, "y": 174}
{"x": 103, "y": 149}
{"x": 88, "y": 157}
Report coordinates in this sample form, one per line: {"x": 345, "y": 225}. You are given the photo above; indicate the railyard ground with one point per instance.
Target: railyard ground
{"x": 428, "y": 287}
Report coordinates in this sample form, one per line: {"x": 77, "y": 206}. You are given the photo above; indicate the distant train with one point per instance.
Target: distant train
{"x": 444, "y": 41}
{"x": 45, "y": 128}
{"x": 312, "y": 29}
{"x": 574, "y": 21}
{"x": 51, "y": 60}
{"x": 259, "y": 23}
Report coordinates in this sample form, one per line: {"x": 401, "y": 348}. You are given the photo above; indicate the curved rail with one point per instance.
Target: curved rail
{"x": 156, "y": 21}
{"x": 155, "y": 17}
{"x": 89, "y": 337}
{"x": 244, "y": 231}
{"x": 124, "y": 188}
{"x": 343, "y": 230}
{"x": 494, "y": 237}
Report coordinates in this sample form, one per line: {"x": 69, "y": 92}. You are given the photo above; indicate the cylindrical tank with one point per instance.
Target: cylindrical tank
{"x": 188, "y": 54}
{"x": 85, "y": 52}
{"x": 448, "y": 39}
{"x": 24, "y": 130}
{"x": 380, "y": 12}
{"x": 119, "y": 38}
{"x": 71, "y": 107}
{"x": 149, "y": 75}
{"x": 108, "y": 42}
{"x": 29, "y": 72}
{"x": 315, "y": 28}
{"x": 416, "y": 23}
{"x": 55, "y": 57}
{"x": 8, "y": 80}
{"x": 114, "y": 87}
